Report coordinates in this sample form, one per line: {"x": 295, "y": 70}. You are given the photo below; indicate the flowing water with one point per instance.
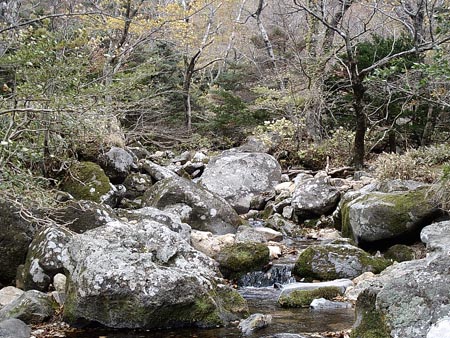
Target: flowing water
{"x": 259, "y": 291}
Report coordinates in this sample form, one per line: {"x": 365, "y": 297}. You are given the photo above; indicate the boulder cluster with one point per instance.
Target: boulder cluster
{"x": 153, "y": 240}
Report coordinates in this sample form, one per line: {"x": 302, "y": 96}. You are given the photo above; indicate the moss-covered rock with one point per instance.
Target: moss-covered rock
{"x": 370, "y": 322}
{"x": 400, "y": 253}
{"x": 141, "y": 274}
{"x": 379, "y": 216}
{"x": 333, "y": 261}
{"x": 86, "y": 181}
{"x": 32, "y": 307}
{"x": 240, "y": 258}
{"x": 302, "y": 298}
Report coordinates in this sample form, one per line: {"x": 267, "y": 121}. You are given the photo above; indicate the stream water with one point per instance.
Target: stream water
{"x": 259, "y": 291}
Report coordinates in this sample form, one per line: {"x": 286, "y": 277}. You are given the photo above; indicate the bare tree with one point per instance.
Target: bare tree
{"x": 348, "y": 41}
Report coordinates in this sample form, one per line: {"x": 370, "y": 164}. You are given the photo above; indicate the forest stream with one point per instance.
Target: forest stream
{"x": 261, "y": 294}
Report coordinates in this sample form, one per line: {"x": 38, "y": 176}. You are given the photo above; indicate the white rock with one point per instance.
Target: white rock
{"x": 274, "y": 251}
{"x": 210, "y": 244}
{"x": 441, "y": 329}
{"x": 322, "y": 303}
{"x": 8, "y": 295}
{"x": 59, "y": 282}
{"x": 285, "y": 186}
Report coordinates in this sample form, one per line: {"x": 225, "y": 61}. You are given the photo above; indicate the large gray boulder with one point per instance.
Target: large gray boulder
{"x": 333, "y": 261}
{"x": 380, "y": 216}
{"x": 44, "y": 257}
{"x": 238, "y": 177}
{"x": 144, "y": 275}
{"x": 195, "y": 205}
{"x": 409, "y": 299}
{"x": 14, "y": 328}
{"x": 314, "y": 197}
{"x": 16, "y": 235}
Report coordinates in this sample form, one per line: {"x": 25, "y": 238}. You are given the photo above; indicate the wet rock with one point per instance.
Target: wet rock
{"x": 273, "y": 275}
{"x": 333, "y": 261}
{"x": 378, "y": 216}
{"x": 237, "y": 177}
{"x": 144, "y": 275}
{"x": 340, "y": 284}
{"x": 237, "y": 259}
{"x": 44, "y": 257}
{"x": 201, "y": 209}
{"x": 303, "y": 298}
{"x": 255, "y": 322}
{"x": 8, "y": 295}
{"x": 258, "y": 234}
{"x": 210, "y": 244}
{"x": 32, "y": 307}
{"x": 14, "y": 328}
{"x": 325, "y": 304}
{"x": 156, "y": 171}
{"x": 117, "y": 164}
{"x": 314, "y": 197}
{"x": 408, "y": 298}
{"x": 15, "y": 236}
{"x": 80, "y": 216}
{"x": 86, "y": 181}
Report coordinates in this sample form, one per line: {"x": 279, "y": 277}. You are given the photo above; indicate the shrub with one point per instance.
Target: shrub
{"x": 420, "y": 164}
{"x": 338, "y": 148}
{"x": 440, "y": 191}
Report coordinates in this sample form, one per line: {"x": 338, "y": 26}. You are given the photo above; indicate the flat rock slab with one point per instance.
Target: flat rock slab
{"x": 342, "y": 284}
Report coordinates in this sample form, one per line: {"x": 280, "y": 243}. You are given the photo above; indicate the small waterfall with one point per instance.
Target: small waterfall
{"x": 277, "y": 274}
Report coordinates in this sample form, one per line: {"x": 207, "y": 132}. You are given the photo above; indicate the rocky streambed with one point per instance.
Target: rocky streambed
{"x": 189, "y": 247}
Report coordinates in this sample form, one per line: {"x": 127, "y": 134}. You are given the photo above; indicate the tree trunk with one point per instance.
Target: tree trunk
{"x": 187, "y": 100}
{"x": 358, "y": 106}
{"x": 429, "y": 126}
{"x": 360, "y": 130}
{"x": 187, "y": 81}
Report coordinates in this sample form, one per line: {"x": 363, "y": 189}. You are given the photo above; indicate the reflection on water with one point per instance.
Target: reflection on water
{"x": 261, "y": 300}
